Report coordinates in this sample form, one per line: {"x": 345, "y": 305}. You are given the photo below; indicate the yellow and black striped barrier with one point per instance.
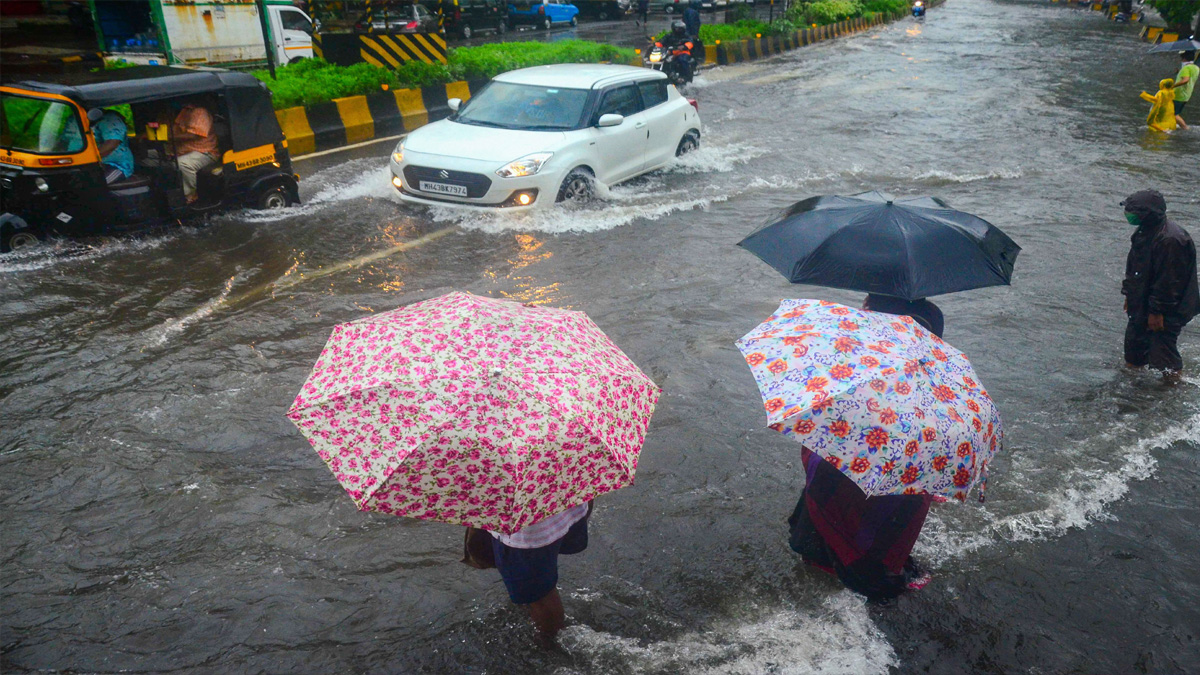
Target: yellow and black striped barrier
{"x": 354, "y": 119}
{"x": 380, "y": 49}
{"x": 725, "y": 52}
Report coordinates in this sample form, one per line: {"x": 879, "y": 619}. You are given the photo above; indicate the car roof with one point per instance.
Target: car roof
{"x": 579, "y": 75}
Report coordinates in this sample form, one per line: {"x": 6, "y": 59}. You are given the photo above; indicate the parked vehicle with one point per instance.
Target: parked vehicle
{"x": 51, "y": 180}
{"x": 543, "y": 14}
{"x": 399, "y": 19}
{"x": 165, "y": 32}
{"x": 603, "y": 10}
{"x": 535, "y": 136}
{"x": 918, "y": 9}
{"x": 472, "y": 16}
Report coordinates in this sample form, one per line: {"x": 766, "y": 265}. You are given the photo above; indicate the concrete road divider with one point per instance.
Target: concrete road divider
{"x": 354, "y": 119}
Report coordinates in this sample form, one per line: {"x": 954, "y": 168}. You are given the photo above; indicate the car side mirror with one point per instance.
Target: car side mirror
{"x": 610, "y": 120}
{"x": 454, "y": 104}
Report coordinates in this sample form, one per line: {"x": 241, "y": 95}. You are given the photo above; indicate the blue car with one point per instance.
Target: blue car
{"x": 543, "y": 14}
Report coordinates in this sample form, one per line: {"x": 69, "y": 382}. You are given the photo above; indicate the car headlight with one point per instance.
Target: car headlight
{"x": 398, "y": 153}
{"x": 526, "y": 166}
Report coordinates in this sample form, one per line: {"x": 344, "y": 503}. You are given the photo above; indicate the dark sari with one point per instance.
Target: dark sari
{"x": 865, "y": 541}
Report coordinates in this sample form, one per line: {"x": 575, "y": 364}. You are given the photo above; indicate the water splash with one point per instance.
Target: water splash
{"x": 1078, "y": 502}
{"x": 837, "y": 638}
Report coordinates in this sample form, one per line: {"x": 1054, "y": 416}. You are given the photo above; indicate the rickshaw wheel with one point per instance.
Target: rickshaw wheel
{"x": 18, "y": 240}
{"x": 272, "y": 198}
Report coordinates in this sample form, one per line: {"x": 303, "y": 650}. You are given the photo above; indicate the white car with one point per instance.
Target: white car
{"x": 539, "y": 135}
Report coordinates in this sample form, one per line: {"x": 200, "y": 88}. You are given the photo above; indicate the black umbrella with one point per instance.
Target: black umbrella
{"x": 1177, "y": 46}
{"x": 909, "y": 248}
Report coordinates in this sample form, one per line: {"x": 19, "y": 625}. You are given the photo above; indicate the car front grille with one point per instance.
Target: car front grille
{"x": 477, "y": 184}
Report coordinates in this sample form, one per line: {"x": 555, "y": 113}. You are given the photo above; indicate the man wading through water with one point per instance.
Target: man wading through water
{"x": 1160, "y": 288}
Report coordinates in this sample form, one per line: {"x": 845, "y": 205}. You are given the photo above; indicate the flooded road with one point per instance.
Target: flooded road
{"x": 161, "y": 514}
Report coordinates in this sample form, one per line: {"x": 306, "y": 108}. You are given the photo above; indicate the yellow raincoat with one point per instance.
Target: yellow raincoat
{"x": 1162, "y": 114}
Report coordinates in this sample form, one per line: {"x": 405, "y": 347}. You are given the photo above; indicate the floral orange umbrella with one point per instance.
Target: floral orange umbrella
{"x": 888, "y": 403}
{"x": 475, "y": 411}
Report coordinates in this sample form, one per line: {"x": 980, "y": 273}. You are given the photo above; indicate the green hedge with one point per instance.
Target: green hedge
{"x": 315, "y": 81}
{"x": 825, "y": 12}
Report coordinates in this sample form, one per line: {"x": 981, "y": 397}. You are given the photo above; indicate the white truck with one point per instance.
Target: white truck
{"x": 222, "y": 33}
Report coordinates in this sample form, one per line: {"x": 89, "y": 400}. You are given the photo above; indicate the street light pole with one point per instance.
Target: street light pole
{"x": 262, "y": 22}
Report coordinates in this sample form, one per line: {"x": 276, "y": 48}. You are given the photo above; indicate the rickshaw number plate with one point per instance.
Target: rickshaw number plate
{"x": 444, "y": 188}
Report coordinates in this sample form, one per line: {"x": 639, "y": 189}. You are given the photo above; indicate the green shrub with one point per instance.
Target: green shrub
{"x": 314, "y": 80}
{"x": 886, "y": 6}
{"x": 825, "y": 12}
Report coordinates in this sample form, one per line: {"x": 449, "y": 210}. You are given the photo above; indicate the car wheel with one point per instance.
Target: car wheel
{"x": 271, "y": 198}
{"x": 547, "y": 23}
{"x": 602, "y": 15}
{"x": 574, "y": 21}
{"x": 578, "y": 187}
{"x": 689, "y": 143}
{"x": 502, "y": 28}
{"x": 465, "y": 31}
{"x": 13, "y": 240}
{"x": 670, "y": 9}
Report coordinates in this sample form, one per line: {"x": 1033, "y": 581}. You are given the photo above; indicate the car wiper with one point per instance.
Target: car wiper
{"x": 484, "y": 123}
{"x": 542, "y": 127}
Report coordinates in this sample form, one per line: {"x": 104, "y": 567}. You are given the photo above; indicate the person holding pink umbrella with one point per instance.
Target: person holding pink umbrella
{"x": 507, "y": 418}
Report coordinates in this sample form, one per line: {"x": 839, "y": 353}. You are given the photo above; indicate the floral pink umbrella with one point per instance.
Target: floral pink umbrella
{"x": 475, "y": 411}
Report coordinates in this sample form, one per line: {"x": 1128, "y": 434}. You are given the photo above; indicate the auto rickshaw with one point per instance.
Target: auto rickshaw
{"x": 51, "y": 180}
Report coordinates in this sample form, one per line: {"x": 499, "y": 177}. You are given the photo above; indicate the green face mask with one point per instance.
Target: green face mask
{"x": 1133, "y": 219}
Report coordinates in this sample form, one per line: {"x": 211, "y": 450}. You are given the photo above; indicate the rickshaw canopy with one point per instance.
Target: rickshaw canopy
{"x": 252, "y": 119}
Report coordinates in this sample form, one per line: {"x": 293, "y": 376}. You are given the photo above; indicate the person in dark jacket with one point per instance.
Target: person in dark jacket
{"x": 643, "y": 10}
{"x": 1161, "y": 290}
{"x": 691, "y": 19}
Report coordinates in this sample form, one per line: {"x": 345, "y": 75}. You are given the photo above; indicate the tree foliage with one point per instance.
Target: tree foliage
{"x": 1179, "y": 14}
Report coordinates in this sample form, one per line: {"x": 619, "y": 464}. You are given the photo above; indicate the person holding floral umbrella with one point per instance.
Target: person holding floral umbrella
{"x": 503, "y": 417}
{"x": 890, "y": 418}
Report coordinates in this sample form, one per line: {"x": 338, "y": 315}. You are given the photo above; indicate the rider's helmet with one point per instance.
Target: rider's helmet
{"x": 679, "y": 28}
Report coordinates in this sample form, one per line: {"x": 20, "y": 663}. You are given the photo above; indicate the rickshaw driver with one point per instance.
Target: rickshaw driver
{"x": 112, "y": 141}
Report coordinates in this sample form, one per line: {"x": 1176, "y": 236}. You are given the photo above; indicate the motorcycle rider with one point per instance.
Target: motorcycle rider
{"x": 679, "y": 44}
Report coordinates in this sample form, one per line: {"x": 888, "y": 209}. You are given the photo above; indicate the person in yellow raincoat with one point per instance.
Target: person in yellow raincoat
{"x": 1162, "y": 114}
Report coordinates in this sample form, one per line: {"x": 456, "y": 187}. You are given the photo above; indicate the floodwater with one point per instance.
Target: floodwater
{"x": 161, "y": 514}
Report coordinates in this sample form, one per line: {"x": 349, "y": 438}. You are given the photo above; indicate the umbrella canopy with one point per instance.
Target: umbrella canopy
{"x": 908, "y": 248}
{"x": 1177, "y": 46}
{"x": 475, "y": 411}
{"x": 889, "y": 404}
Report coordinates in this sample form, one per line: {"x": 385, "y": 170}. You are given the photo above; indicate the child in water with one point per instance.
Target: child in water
{"x": 1162, "y": 113}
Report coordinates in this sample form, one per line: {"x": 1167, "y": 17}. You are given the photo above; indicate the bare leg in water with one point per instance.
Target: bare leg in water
{"x": 548, "y": 616}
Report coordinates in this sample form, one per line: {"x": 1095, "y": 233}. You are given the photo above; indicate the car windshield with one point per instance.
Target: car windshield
{"x": 525, "y": 106}
{"x": 39, "y": 125}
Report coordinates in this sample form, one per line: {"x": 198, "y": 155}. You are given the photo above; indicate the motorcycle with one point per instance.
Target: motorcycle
{"x": 675, "y": 61}
{"x": 918, "y": 9}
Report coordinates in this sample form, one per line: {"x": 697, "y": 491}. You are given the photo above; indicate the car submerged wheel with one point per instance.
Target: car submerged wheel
{"x": 574, "y": 21}
{"x": 689, "y": 143}
{"x": 466, "y": 32}
{"x": 502, "y": 28}
{"x": 579, "y": 186}
{"x": 272, "y": 198}
{"x": 547, "y": 23}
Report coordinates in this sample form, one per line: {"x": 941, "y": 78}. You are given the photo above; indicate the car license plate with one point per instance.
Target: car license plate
{"x": 444, "y": 188}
